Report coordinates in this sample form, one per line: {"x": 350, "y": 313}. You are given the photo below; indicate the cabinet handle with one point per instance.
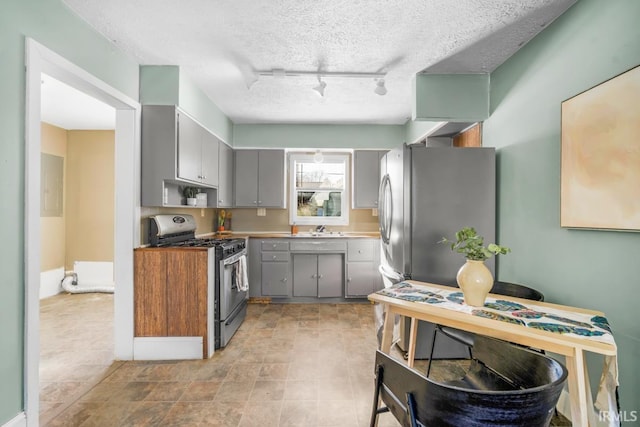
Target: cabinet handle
{"x": 375, "y": 202}
{"x": 204, "y": 177}
{"x": 220, "y": 201}
{"x": 274, "y": 246}
{"x": 275, "y": 257}
{"x": 254, "y": 202}
{"x": 284, "y": 280}
{"x": 320, "y": 276}
{"x": 314, "y": 276}
{"x": 359, "y": 251}
{"x": 348, "y": 279}
{"x": 259, "y": 202}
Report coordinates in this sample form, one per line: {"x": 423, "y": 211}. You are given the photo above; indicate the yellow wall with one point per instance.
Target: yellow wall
{"x": 89, "y": 191}
{"x": 52, "y": 235}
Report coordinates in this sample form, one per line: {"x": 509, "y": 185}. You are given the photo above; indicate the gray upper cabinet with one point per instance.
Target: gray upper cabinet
{"x": 259, "y": 179}
{"x": 225, "y": 176}
{"x": 176, "y": 151}
{"x": 197, "y": 152}
{"x": 366, "y": 178}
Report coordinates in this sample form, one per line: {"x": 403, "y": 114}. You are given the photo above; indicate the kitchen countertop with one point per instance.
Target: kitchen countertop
{"x": 301, "y": 235}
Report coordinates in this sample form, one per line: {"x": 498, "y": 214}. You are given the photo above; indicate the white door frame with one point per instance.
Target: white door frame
{"x": 40, "y": 60}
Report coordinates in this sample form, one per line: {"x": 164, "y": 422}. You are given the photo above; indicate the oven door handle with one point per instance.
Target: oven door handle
{"x": 234, "y": 258}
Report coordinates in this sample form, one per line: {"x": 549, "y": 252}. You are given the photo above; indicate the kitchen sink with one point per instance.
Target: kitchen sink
{"x": 323, "y": 235}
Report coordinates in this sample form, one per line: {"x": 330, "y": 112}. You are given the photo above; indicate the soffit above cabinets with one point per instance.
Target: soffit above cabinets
{"x": 221, "y": 46}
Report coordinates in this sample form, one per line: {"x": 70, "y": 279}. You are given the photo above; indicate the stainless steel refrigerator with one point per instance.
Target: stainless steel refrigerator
{"x": 427, "y": 193}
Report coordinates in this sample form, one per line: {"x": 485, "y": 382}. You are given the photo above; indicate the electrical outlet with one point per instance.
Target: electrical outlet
{"x": 202, "y": 213}
{"x": 374, "y": 212}
{"x": 262, "y": 212}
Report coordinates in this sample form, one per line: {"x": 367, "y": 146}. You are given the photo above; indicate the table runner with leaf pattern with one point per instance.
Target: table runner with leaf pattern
{"x": 530, "y": 315}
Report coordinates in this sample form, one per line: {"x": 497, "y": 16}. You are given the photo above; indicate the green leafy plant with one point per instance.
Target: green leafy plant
{"x": 190, "y": 192}
{"x": 471, "y": 245}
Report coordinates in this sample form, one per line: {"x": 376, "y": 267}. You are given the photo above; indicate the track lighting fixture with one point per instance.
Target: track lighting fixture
{"x": 318, "y": 157}
{"x": 320, "y": 87}
{"x": 380, "y": 88}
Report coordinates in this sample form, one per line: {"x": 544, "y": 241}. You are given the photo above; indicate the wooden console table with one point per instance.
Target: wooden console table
{"x": 571, "y": 346}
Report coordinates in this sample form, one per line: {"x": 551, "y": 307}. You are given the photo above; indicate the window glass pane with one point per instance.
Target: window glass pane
{"x": 320, "y": 175}
{"x": 319, "y": 203}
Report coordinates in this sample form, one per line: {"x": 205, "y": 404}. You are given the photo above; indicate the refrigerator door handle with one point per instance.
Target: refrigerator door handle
{"x": 385, "y": 209}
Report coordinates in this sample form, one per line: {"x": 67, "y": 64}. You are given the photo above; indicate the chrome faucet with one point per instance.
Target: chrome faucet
{"x": 320, "y": 229}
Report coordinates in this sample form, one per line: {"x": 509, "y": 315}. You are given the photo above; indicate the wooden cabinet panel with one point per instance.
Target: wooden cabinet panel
{"x": 170, "y": 293}
{"x": 472, "y": 137}
{"x": 150, "y": 294}
{"x": 187, "y": 293}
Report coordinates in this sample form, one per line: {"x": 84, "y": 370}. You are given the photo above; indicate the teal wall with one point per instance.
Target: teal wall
{"x": 53, "y": 25}
{"x": 195, "y": 102}
{"x": 589, "y": 44}
{"x": 318, "y": 136}
{"x": 168, "y": 85}
{"x": 415, "y": 130}
{"x": 159, "y": 85}
{"x": 451, "y": 97}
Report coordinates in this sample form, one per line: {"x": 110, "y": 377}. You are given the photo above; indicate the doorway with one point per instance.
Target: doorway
{"x": 126, "y": 210}
{"x": 77, "y": 235}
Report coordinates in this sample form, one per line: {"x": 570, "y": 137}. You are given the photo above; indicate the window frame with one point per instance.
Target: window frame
{"x": 343, "y": 219}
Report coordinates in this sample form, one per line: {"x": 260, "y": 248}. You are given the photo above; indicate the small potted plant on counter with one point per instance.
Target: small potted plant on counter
{"x": 474, "y": 278}
{"x": 190, "y": 194}
{"x": 222, "y": 214}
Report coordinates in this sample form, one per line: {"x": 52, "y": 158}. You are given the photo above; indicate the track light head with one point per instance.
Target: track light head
{"x": 380, "y": 88}
{"x": 321, "y": 86}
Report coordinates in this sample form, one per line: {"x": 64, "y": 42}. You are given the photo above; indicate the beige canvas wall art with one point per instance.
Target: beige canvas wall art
{"x": 600, "y": 160}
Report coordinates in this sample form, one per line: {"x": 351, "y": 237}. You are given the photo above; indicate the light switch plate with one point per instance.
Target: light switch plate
{"x": 262, "y": 212}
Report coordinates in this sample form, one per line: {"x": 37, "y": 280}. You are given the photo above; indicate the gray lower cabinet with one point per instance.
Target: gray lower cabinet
{"x": 363, "y": 258}
{"x": 259, "y": 179}
{"x": 318, "y": 275}
{"x": 275, "y": 268}
{"x": 313, "y": 268}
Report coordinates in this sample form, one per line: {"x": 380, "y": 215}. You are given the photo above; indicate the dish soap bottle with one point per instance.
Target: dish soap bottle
{"x": 294, "y": 228}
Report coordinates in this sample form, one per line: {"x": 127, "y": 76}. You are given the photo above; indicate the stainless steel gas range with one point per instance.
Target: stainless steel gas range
{"x": 229, "y": 284}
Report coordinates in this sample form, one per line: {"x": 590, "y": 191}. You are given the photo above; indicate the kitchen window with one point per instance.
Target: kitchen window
{"x": 319, "y": 189}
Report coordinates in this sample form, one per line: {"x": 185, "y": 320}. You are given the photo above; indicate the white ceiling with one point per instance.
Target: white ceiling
{"x": 221, "y": 45}
{"x": 68, "y": 108}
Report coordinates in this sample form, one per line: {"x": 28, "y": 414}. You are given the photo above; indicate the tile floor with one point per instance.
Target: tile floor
{"x": 288, "y": 365}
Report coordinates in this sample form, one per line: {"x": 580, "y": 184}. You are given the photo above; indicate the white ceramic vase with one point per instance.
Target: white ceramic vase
{"x": 191, "y": 201}
{"x": 475, "y": 280}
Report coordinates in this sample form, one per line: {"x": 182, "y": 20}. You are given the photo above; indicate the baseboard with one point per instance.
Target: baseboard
{"x": 19, "y": 420}
{"x": 50, "y": 282}
{"x": 167, "y": 348}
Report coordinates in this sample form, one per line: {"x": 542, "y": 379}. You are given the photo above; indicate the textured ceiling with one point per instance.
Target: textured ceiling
{"x": 221, "y": 44}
